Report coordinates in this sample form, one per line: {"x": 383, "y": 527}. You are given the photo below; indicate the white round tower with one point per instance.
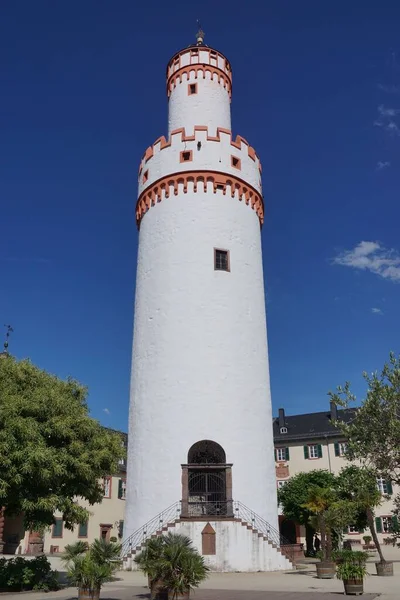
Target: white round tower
{"x": 200, "y": 425}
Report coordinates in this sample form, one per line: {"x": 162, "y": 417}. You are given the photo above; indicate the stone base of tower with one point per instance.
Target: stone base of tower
{"x": 227, "y": 546}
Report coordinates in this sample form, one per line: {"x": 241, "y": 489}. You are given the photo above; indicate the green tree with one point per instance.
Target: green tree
{"x": 359, "y": 485}
{"x": 373, "y": 434}
{"x": 294, "y": 496}
{"x": 52, "y": 452}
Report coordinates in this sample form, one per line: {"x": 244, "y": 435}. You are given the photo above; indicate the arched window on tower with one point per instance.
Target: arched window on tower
{"x": 207, "y": 482}
{"x": 206, "y": 452}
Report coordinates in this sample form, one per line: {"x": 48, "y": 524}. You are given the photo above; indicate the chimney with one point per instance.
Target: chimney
{"x": 281, "y": 417}
{"x": 334, "y": 411}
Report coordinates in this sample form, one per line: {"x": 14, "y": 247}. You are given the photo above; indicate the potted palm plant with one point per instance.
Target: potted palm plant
{"x": 331, "y": 515}
{"x": 182, "y": 567}
{"x": 351, "y": 569}
{"x": 173, "y": 566}
{"x": 148, "y": 561}
{"x": 319, "y": 500}
{"x": 88, "y": 568}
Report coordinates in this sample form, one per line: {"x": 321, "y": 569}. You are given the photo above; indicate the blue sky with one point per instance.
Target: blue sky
{"x": 316, "y": 92}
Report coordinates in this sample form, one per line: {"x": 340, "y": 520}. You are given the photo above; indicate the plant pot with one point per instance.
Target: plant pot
{"x": 158, "y": 591}
{"x": 353, "y": 587}
{"x": 384, "y": 569}
{"x": 176, "y": 596}
{"x": 326, "y": 569}
{"x": 88, "y": 594}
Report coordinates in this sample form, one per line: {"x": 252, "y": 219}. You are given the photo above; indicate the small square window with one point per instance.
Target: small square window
{"x": 280, "y": 484}
{"x": 145, "y": 176}
{"x": 236, "y": 162}
{"x": 221, "y": 260}
{"x": 192, "y": 89}
{"x": 186, "y": 156}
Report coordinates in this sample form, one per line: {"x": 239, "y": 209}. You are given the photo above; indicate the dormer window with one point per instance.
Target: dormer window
{"x": 283, "y": 430}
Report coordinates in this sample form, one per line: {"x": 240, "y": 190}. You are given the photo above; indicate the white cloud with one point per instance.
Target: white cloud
{"x": 387, "y": 119}
{"x": 389, "y": 89}
{"x": 382, "y": 164}
{"x": 106, "y": 410}
{"x": 371, "y": 256}
{"x": 377, "y": 311}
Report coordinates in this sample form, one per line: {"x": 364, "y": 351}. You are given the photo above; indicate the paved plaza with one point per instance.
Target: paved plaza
{"x": 301, "y": 584}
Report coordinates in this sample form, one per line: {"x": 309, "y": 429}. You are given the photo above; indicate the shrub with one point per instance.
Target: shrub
{"x": 351, "y": 564}
{"x": 367, "y": 539}
{"x": 22, "y": 574}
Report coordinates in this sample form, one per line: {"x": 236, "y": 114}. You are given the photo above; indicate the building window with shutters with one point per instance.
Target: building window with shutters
{"x": 107, "y": 487}
{"x": 122, "y": 489}
{"x": 384, "y": 486}
{"x": 386, "y": 524}
{"x": 353, "y": 529}
{"x": 83, "y": 530}
{"x": 340, "y": 448}
{"x": 313, "y": 451}
{"x": 57, "y": 531}
{"x": 281, "y": 454}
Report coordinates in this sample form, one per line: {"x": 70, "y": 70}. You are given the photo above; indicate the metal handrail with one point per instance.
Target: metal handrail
{"x": 229, "y": 509}
{"x": 169, "y": 515}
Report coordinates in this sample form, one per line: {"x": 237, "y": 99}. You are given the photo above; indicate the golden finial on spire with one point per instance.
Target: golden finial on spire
{"x": 200, "y": 34}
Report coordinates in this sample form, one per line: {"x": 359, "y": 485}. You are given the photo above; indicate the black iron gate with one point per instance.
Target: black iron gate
{"x": 207, "y": 492}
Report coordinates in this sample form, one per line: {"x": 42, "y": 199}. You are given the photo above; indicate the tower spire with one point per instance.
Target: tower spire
{"x": 200, "y": 34}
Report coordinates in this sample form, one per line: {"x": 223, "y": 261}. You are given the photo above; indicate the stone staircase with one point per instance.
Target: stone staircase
{"x": 246, "y": 541}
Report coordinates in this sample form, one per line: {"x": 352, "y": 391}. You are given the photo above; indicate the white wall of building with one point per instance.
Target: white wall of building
{"x": 213, "y": 155}
{"x": 237, "y": 547}
{"x": 209, "y": 106}
{"x": 200, "y": 359}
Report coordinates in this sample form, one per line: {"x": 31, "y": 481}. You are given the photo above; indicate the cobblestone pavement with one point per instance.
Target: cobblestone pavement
{"x": 135, "y": 593}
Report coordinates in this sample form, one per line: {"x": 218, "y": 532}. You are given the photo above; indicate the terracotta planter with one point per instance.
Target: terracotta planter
{"x": 158, "y": 591}
{"x": 85, "y": 594}
{"x": 384, "y": 569}
{"x": 326, "y": 569}
{"x": 184, "y": 596}
{"x": 353, "y": 587}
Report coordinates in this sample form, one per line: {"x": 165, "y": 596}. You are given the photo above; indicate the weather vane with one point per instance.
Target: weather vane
{"x": 9, "y": 330}
{"x": 200, "y": 34}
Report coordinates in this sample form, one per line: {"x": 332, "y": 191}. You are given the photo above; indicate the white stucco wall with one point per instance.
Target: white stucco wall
{"x": 210, "y": 106}
{"x": 213, "y": 155}
{"x": 237, "y": 548}
{"x": 200, "y": 359}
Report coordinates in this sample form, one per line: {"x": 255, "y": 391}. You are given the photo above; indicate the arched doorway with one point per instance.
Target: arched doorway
{"x": 288, "y": 531}
{"x": 206, "y": 482}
